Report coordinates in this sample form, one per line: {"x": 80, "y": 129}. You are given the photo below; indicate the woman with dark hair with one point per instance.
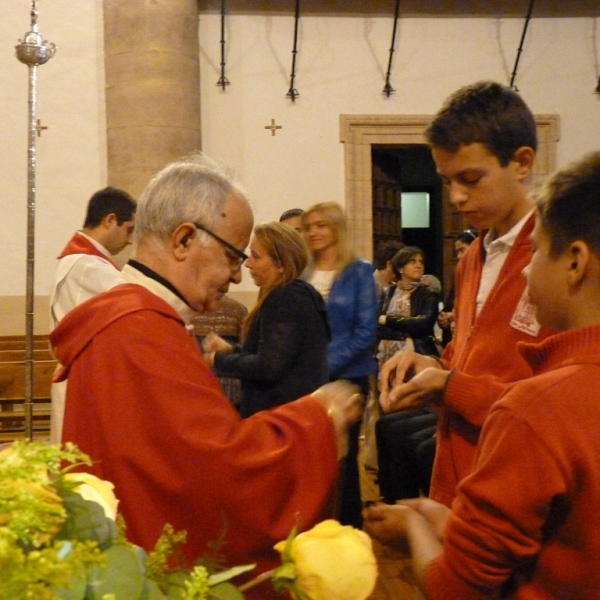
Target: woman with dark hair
{"x": 408, "y": 310}
{"x": 285, "y": 336}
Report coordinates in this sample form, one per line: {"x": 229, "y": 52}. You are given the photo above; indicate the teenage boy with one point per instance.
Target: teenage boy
{"x": 525, "y": 522}
{"x": 483, "y": 143}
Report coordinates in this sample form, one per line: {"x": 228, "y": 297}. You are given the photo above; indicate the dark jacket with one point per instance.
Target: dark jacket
{"x": 419, "y": 326}
{"x": 284, "y": 355}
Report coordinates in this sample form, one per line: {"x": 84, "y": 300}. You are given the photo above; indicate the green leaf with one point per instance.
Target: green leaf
{"x": 286, "y": 555}
{"x": 151, "y": 591}
{"x": 174, "y": 583}
{"x": 123, "y": 575}
{"x": 225, "y": 591}
{"x": 285, "y": 571}
{"x": 75, "y": 591}
{"x": 229, "y": 574}
{"x": 86, "y": 521}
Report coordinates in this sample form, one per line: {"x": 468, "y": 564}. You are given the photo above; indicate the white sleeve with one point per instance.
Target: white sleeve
{"x": 79, "y": 278}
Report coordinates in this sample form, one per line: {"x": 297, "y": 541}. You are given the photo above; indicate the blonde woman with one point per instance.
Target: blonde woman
{"x": 346, "y": 283}
{"x": 285, "y": 336}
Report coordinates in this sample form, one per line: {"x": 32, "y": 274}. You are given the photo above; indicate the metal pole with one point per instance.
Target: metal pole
{"x": 33, "y": 52}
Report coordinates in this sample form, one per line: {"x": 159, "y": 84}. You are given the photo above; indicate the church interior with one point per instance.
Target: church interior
{"x": 305, "y": 102}
{"x": 134, "y": 85}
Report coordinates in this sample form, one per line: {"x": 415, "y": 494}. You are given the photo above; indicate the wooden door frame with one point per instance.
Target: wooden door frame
{"x": 359, "y": 132}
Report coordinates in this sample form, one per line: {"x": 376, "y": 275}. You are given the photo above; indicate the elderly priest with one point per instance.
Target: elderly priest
{"x": 142, "y": 402}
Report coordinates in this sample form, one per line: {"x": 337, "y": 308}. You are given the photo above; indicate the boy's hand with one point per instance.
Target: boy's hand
{"x": 425, "y": 382}
{"x": 435, "y": 513}
{"x": 390, "y": 523}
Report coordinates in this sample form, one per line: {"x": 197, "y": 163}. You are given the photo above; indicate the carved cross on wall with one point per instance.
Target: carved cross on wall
{"x": 39, "y": 128}
{"x": 273, "y": 127}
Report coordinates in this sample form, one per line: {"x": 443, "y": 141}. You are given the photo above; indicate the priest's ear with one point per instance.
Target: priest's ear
{"x": 181, "y": 240}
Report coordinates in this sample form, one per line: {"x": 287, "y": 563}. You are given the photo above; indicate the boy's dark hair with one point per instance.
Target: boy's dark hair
{"x": 386, "y": 250}
{"x": 568, "y": 204}
{"x": 292, "y": 212}
{"x": 403, "y": 256}
{"x": 106, "y": 201}
{"x": 487, "y": 113}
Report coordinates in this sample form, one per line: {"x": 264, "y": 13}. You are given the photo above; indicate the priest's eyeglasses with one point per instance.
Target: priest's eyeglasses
{"x": 234, "y": 261}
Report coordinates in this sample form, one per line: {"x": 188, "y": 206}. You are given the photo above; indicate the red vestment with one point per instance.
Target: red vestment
{"x": 78, "y": 244}
{"x": 142, "y": 402}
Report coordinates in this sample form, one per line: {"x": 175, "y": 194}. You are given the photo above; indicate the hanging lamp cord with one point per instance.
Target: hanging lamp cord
{"x": 520, "y": 49}
{"x": 388, "y": 90}
{"x": 223, "y": 81}
{"x": 293, "y": 92}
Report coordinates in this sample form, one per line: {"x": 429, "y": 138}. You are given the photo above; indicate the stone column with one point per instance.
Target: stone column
{"x": 152, "y": 87}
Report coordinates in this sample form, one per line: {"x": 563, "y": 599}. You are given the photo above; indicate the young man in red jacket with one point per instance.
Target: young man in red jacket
{"x": 524, "y": 524}
{"x": 483, "y": 142}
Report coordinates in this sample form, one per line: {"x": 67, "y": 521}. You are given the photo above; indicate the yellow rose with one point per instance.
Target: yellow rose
{"x": 333, "y": 562}
{"x": 97, "y": 490}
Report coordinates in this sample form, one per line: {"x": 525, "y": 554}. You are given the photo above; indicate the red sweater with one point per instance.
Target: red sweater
{"x": 484, "y": 358}
{"x": 525, "y": 524}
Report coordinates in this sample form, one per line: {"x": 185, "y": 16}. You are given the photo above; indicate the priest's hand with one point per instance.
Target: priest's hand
{"x": 344, "y": 404}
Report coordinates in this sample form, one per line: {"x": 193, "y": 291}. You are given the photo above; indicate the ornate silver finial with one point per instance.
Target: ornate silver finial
{"x": 33, "y": 49}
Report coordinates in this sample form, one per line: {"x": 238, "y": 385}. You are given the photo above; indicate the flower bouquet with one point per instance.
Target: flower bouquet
{"x": 61, "y": 539}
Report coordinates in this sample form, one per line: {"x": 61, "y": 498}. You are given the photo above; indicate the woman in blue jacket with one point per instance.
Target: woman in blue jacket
{"x": 346, "y": 283}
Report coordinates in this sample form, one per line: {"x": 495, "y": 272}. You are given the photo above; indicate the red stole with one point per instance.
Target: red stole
{"x": 79, "y": 244}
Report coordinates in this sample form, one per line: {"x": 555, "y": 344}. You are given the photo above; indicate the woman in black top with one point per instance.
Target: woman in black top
{"x": 408, "y": 310}
{"x": 407, "y": 313}
{"x": 284, "y": 351}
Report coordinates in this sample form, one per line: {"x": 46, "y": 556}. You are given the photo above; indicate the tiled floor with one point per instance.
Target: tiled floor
{"x": 395, "y": 580}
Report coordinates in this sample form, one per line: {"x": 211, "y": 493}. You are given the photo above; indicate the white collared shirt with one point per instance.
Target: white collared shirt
{"x": 496, "y": 252}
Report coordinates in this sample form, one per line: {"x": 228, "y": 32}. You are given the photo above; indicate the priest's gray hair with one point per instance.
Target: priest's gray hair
{"x": 193, "y": 189}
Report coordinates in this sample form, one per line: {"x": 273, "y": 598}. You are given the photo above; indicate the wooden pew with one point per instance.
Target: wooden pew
{"x": 17, "y": 342}
{"x": 16, "y": 355}
{"x": 12, "y": 388}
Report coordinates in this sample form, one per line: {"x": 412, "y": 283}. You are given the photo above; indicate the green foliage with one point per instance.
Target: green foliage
{"x": 55, "y": 545}
{"x": 123, "y": 575}
{"x": 224, "y": 591}
{"x": 86, "y": 521}
{"x": 284, "y": 577}
{"x": 166, "y": 546}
